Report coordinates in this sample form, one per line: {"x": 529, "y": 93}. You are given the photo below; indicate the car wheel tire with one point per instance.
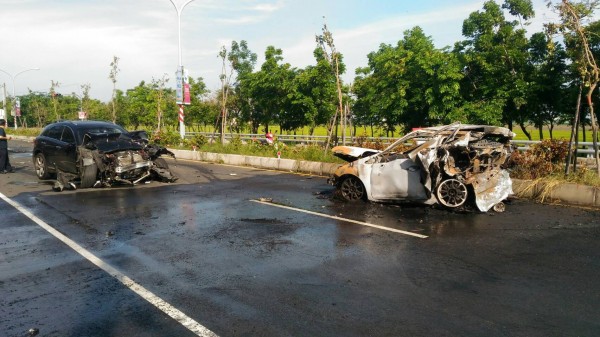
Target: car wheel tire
{"x": 41, "y": 166}
{"x": 352, "y": 189}
{"x": 89, "y": 175}
{"x": 452, "y": 193}
{"x": 161, "y": 163}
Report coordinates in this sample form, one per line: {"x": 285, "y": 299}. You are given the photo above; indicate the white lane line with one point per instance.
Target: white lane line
{"x": 165, "y": 307}
{"x": 342, "y": 219}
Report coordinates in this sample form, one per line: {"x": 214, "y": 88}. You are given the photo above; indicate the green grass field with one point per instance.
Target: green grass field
{"x": 559, "y": 132}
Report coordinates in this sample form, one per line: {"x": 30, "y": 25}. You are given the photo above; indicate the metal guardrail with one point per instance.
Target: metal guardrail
{"x": 584, "y": 147}
{"x": 300, "y": 139}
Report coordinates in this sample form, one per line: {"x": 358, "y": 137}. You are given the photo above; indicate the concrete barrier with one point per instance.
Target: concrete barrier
{"x": 563, "y": 193}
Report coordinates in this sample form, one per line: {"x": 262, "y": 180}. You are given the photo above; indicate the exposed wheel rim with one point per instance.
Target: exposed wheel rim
{"x": 40, "y": 166}
{"x": 499, "y": 207}
{"x": 452, "y": 193}
{"x": 352, "y": 189}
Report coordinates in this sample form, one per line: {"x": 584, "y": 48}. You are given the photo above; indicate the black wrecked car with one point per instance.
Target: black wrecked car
{"x": 97, "y": 154}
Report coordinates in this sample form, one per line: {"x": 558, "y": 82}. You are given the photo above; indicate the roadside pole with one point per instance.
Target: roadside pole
{"x": 182, "y": 96}
{"x": 3, "y": 110}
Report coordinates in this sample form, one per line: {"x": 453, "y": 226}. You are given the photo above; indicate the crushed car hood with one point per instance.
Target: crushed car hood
{"x": 110, "y": 142}
{"x": 351, "y": 153}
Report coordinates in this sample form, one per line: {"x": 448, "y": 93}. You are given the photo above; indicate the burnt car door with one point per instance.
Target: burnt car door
{"x": 395, "y": 176}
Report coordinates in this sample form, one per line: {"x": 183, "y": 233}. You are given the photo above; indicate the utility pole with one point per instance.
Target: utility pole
{"x": 3, "y": 101}
{"x": 14, "y": 106}
{"x": 181, "y": 86}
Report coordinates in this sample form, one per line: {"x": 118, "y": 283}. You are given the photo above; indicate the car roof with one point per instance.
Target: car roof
{"x": 85, "y": 123}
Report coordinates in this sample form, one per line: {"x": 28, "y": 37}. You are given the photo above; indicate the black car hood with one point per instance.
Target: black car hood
{"x": 110, "y": 142}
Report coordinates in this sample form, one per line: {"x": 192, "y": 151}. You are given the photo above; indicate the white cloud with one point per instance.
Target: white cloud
{"x": 268, "y": 7}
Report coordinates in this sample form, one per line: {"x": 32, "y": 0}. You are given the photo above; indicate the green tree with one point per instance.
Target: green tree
{"x": 572, "y": 25}
{"x": 141, "y": 106}
{"x": 412, "y": 84}
{"x": 547, "y": 82}
{"x": 495, "y": 58}
{"x": 237, "y": 63}
{"x": 241, "y": 106}
{"x": 160, "y": 96}
{"x": 433, "y": 78}
{"x": 269, "y": 89}
{"x": 114, "y": 70}
{"x": 381, "y": 87}
{"x": 55, "y": 96}
{"x": 36, "y": 108}
{"x": 316, "y": 92}
{"x": 201, "y": 111}
{"x": 120, "y": 105}
{"x": 335, "y": 60}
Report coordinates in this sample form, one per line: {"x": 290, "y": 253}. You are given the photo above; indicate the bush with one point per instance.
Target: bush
{"x": 235, "y": 143}
{"x": 167, "y": 138}
{"x": 540, "y": 160}
{"x": 198, "y": 140}
{"x": 377, "y": 144}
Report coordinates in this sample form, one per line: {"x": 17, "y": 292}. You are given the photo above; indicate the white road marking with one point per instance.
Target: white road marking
{"x": 165, "y": 307}
{"x": 342, "y": 219}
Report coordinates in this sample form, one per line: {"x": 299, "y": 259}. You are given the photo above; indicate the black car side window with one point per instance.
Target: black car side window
{"x": 54, "y": 132}
{"x": 67, "y": 136}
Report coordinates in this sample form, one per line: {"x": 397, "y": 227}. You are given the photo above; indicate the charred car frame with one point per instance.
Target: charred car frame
{"x": 97, "y": 154}
{"x": 456, "y": 166}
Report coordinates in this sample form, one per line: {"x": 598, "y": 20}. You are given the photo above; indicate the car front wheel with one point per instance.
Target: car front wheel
{"x": 41, "y": 166}
{"x": 89, "y": 175}
{"x": 161, "y": 163}
{"x": 352, "y": 189}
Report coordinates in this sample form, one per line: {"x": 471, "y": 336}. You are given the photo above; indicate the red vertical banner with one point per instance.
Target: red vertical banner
{"x": 186, "y": 93}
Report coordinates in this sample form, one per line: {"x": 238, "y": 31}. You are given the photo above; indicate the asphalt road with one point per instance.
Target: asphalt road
{"x": 203, "y": 257}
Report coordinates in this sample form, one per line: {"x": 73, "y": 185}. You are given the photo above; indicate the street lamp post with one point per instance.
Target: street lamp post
{"x": 180, "y": 65}
{"x": 13, "y": 88}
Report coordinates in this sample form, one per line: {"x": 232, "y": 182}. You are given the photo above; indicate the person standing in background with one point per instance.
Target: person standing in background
{"x": 5, "y": 166}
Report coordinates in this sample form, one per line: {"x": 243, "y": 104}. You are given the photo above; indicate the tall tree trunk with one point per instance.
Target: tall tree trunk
{"x": 524, "y": 129}
{"x": 573, "y": 139}
{"x": 334, "y": 122}
{"x": 223, "y": 126}
{"x": 594, "y": 127}
{"x": 575, "y": 155}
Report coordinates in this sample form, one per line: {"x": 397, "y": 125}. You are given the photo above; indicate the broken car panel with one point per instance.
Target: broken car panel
{"x": 93, "y": 154}
{"x": 451, "y": 165}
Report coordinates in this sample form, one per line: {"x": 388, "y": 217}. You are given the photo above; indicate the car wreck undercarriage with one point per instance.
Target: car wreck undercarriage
{"x": 455, "y": 166}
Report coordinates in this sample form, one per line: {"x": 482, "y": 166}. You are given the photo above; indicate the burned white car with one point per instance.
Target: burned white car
{"x": 97, "y": 154}
{"x": 455, "y": 166}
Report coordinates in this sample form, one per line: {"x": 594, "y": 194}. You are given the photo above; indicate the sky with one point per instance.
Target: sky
{"x": 73, "y": 42}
